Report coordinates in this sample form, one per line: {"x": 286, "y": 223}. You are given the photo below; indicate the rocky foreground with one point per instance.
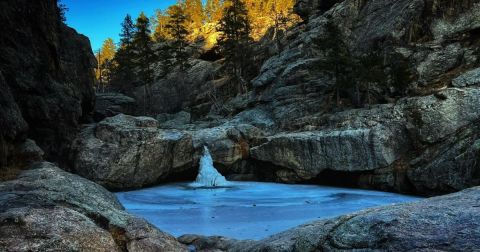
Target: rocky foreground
{"x": 48, "y": 209}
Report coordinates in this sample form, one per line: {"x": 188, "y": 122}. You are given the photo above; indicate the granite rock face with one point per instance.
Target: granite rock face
{"x": 48, "y": 209}
{"x": 445, "y": 223}
{"x": 46, "y": 78}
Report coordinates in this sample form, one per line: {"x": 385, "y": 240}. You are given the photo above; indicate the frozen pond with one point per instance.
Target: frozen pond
{"x": 247, "y": 210}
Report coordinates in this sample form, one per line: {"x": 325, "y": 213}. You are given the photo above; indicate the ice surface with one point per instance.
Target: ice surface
{"x": 247, "y": 210}
{"x": 208, "y": 176}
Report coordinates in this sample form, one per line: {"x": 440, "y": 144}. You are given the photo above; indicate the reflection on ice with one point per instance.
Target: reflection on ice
{"x": 247, "y": 210}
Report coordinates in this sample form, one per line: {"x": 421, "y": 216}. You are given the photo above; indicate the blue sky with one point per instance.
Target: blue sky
{"x": 101, "y": 19}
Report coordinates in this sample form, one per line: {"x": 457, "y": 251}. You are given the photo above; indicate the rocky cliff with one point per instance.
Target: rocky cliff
{"x": 46, "y": 79}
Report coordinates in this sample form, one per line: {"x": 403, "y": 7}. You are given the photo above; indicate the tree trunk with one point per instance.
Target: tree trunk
{"x": 145, "y": 99}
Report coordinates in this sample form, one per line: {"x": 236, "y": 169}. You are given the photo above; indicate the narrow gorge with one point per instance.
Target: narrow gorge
{"x": 362, "y": 115}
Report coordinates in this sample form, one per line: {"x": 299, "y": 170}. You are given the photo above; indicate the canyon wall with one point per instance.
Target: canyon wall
{"x": 46, "y": 80}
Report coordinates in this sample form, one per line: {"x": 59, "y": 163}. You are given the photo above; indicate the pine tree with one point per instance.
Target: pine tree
{"x": 338, "y": 60}
{"x": 368, "y": 70}
{"x": 144, "y": 57}
{"x": 62, "y": 10}
{"x": 194, "y": 12}
{"x": 235, "y": 40}
{"x": 161, "y": 32}
{"x": 105, "y": 57}
{"x": 128, "y": 32}
{"x": 177, "y": 29}
{"x": 213, "y": 11}
{"x": 123, "y": 75}
{"x": 282, "y": 18}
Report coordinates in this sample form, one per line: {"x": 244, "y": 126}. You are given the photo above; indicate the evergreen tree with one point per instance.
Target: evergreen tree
{"x": 128, "y": 32}
{"x": 194, "y": 12}
{"x": 62, "y": 10}
{"x": 144, "y": 57}
{"x": 338, "y": 60}
{"x": 124, "y": 75}
{"x": 235, "y": 40}
{"x": 282, "y": 18}
{"x": 105, "y": 57}
{"x": 177, "y": 29}
{"x": 161, "y": 32}
{"x": 213, "y": 11}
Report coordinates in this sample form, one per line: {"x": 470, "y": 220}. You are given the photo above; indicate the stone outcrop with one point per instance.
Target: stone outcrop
{"x": 47, "y": 209}
{"x": 308, "y": 154}
{"x": 422, "y": 144}
{"x": 446, "y": 223}
{"x": 46, "y": 79}
{"x": 295, "y": 84}
{"x": 130, "y": 152}
{"x": 124, "y": 152}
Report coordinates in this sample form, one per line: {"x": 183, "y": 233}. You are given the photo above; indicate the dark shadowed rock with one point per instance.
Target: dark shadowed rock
{"x": 47, "y": 209}
{"x": 450, "y": 166}
{"x": 46, "y": 77}
{"x": 112, "y": 104}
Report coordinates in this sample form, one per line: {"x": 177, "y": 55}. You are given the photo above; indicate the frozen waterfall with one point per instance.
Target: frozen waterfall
{"x": 208, "y": 176}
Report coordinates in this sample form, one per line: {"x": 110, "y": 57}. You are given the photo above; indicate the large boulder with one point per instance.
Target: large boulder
{"x": 307, "y": 154}
{"x": 446, "y": 223}
{"x": 130, "y": 152}
{"x": 48, "y": 209}
{"x": 228, "y": 143}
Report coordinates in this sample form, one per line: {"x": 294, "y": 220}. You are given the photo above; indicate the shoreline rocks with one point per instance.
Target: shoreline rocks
{"x": 48, "y": 209}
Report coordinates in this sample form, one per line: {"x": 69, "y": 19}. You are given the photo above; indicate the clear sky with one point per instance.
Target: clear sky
{"x": 101, "y": 19}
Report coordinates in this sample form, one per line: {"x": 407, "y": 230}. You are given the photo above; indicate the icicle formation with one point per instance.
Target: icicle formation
{"x": 208, "y": 176}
